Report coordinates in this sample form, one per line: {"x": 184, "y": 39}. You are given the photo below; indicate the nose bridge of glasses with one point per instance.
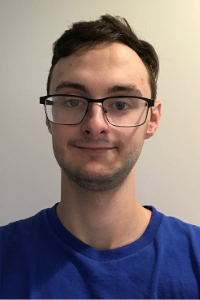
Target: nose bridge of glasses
{"x": 95, "y": 110}
{"x": 95, "y": 106}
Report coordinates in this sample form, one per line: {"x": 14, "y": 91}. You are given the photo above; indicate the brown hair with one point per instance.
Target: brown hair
{"x": 82, "y": 36}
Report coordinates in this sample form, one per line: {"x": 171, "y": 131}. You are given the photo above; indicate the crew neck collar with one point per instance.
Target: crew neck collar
{"x": 105, "y": 255}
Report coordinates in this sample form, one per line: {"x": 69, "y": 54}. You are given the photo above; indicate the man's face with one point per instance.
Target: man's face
{"x": 94, "y": 154}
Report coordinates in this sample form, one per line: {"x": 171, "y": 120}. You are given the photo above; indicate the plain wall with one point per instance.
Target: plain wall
{"x": 168, "y": 170}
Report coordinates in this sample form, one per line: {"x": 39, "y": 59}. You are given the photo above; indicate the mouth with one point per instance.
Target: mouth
{"x": 95, "y": 150}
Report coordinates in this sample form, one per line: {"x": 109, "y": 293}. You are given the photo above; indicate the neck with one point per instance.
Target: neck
{"x": 102, "y": 220}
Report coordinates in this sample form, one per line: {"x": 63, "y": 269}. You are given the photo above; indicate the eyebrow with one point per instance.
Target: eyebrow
{"x": 114, "y": 89}
{"x": 73, "y": 85}
{"x": 126, "y": 88}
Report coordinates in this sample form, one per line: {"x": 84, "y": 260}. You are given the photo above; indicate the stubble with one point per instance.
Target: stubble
{"x": 110, "y": 178}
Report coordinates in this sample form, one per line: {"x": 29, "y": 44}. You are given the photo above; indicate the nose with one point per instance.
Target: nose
{"x": 95, "y": 123}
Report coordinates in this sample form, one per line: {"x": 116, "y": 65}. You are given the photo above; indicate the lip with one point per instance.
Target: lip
{"x": 95, "y": 150}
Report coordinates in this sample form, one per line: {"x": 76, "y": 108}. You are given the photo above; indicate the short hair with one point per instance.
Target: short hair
{"x": 83, "y": 35}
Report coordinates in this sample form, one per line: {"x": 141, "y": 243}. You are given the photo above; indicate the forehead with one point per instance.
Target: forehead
{"x": 102, "y": 67}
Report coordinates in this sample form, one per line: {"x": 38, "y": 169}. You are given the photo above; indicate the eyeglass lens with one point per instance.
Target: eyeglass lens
{"x": 119, "y": 111}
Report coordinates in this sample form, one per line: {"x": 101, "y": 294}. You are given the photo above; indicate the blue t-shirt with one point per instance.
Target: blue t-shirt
{"x": 39, "y": 258}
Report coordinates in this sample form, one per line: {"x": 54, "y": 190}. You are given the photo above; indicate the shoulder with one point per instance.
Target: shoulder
{"x": 172, "y": 226}
{"x": 174, "y": 237}
{"x": 179, "y": 228}
{"x": 21, "y": 231}
{"x": 174, "y": 251}
{"x": 178, "y": 238}
{"x": 22, "y": 223}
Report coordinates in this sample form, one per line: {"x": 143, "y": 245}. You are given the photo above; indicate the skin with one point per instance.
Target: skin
{"x": 107, "y": 217}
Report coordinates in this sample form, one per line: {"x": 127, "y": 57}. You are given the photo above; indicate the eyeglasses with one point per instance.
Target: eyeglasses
{"x": 120, "y": 111}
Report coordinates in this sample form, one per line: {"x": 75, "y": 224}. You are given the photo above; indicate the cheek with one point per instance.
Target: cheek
{"x": 59, "y": 135}
{"x": 129, "y": 135}
{"x": 63, "y": 134}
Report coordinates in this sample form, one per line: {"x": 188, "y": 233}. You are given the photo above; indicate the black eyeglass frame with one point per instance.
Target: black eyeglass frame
{"x": 150, "y": 103}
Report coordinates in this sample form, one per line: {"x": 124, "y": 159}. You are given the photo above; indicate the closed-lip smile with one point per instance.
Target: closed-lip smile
{"x": 94, "y": 150}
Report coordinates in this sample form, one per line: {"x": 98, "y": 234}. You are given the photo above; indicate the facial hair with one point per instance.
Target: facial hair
{"x": 111, "y": 178}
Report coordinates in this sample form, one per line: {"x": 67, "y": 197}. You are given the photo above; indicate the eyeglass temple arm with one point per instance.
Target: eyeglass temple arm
{"x": 44, "y": 100}
{"x": 48, "y": 102}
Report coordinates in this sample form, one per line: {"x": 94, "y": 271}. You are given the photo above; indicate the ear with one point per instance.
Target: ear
{"x": 155, "y": 115}
{"x": 49, "y": 126}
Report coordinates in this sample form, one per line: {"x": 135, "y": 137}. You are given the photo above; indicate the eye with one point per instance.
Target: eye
{"x": 72, "y": 102}
{"x": 121, "y": 105}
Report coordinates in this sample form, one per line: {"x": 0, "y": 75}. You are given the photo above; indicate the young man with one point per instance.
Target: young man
{"x": 98, "y": 241}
